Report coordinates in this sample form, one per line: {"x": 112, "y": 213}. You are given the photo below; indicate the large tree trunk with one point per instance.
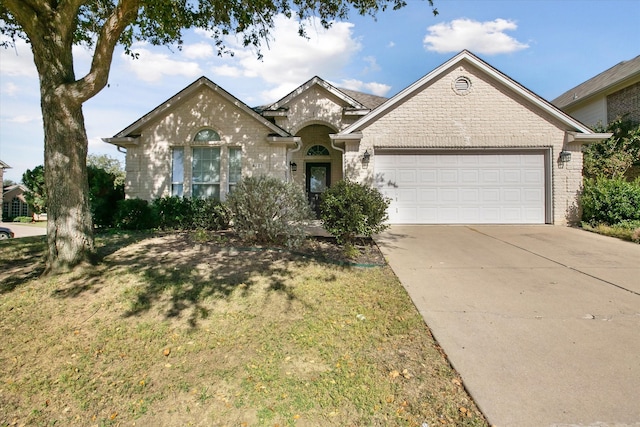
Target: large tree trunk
{"x": 70, "y": 227}
{"x": 51, "y": 27}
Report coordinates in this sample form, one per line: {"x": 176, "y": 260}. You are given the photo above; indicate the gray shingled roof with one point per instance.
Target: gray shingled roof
{"x": 614, "y": 75}
{"x": 366, "y": 99}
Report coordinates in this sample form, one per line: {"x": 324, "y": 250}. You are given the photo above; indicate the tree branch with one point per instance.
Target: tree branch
{"x": 26, "y": 14}
{"x": 122, "y": 16}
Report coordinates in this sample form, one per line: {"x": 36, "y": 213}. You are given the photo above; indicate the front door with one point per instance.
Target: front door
{"x": 317, "y": 181}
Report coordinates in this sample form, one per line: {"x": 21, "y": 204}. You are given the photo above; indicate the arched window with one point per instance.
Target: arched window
{"x": 206, "y": 135}
{"x": 318, "y": 150}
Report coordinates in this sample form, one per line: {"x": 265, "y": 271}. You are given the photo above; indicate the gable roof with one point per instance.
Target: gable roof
{"x": 133, "y": 129}
{"x": 625, "y": 71}
{"x": 317, "y": 81}
{"x": 3, "y": 165}
{"x": 16, "y": 190}
{"x": 465, "y": 56}
{"x": 366, "y": 99}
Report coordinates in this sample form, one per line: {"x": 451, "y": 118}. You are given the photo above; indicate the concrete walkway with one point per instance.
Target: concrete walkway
{"x": 541, "y": 322}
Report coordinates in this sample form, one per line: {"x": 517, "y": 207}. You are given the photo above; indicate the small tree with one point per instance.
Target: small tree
{"x": 104, "y": 193}
{"x": 349, "y": 209}
{"x": 613, "y": 157}
{"x": 268, "y": 210}
{"x": 36, "y": 196}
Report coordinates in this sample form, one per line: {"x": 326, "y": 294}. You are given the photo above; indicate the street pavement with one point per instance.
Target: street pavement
{"x": 23, "y": 230}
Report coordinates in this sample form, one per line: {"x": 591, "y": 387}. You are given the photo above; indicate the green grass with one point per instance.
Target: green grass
{"x": 174, "y": 330}
{"x": 626, "y": 231}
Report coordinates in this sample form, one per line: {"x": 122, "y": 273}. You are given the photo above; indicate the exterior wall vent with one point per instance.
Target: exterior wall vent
{"x": 462, "y": 85}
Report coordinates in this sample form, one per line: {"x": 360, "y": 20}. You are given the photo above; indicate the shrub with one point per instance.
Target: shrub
{"x": 349, "y": 209}
{"x": 189, "y": 214}
{"x": 268, "y": 210}
{"x": 209, "y": 214}
{"x": 172, "y": 212}
{"x": 22, "y": 219}
{"x": 134, "y": 214}
{"x": 610, "y": 201}
{"x": 104, "y": 194}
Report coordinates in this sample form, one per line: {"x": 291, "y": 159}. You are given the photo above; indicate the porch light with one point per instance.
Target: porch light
{"x": 294, "y": 166}
{"x": 366, "y": 157}
{"x": 565, "y": 156}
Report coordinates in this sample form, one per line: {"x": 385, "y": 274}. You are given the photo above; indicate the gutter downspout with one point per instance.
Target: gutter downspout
{"x": 333, "y": 141}
{"x": 298, "y": 143}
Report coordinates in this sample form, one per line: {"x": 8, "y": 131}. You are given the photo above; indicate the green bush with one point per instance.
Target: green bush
{"x": 104, "y": 194}
{"x": 268, "y": 210}
{"x": 134, "y": 214}
{"x": 173, "y": 212}
{"x": 209, "y": 214}
{"x": 22, "y": 219}
{"x": 349, "y": 209}
{"x": 189, "y": 214}
{"x": 610, "y": 201}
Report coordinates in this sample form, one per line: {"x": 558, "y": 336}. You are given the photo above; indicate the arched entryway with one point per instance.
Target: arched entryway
{"x": 318, "y": 164}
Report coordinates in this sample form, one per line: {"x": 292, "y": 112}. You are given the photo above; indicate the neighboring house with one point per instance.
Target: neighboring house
{"x": 464, "y": 144}
{"x": 612, "y": 94}
{"x": 14, "y": 204}
{"x": 3, "y": 166}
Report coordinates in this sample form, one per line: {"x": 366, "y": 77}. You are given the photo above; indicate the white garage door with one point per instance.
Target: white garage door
{"x": 469, "y": 188}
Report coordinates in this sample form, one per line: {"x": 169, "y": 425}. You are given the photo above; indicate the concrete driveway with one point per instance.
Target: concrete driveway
{"x": 541, "y": 322}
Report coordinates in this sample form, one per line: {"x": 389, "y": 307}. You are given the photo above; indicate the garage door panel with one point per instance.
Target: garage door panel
{"x": 512, "y": 176}
{"x": 469, "y": 176}
{"x": 428, "y": 195}
{"x": 470, "y": 195}
{"x": 490, "y": 195}
{"x": 447, "y": 195}
{"x": 407, "y": 196}
{"x": 464, "y": 188}
{"x": 533, "y": 195}
{"x": 490, "y": 176}
{"x": 512, "y": 196}
{"x": 448, "y": 176}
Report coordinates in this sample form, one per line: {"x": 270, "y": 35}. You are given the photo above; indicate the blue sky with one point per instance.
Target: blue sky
{"x": 549, "y": 46}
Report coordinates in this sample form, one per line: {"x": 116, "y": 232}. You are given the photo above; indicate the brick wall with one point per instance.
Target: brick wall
{"x": 148, "y": 165}
{"x": 624, "y": 103}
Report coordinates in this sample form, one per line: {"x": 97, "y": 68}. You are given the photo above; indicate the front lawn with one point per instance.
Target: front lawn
{"x": 196, "y": 329}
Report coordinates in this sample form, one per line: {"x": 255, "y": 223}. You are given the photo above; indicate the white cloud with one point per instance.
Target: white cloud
{"x": 379, "y": 89}
{"x": 391, "y": 44}
{"x": 288, "y": 59}
{"x": 226, "y": 70}
{"x": 198, "y": 51}
{"x": 479, "y": 37}
{"x": 372, "y": 64}
{"x": 18, "y": 60}
{"x": 151, "y": 67}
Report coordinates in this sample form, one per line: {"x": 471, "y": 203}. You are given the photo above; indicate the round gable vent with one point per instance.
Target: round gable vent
{"x": 462, "y": 85}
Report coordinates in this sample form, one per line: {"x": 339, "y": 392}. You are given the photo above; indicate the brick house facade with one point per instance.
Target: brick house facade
{"x": 464, "y": 144}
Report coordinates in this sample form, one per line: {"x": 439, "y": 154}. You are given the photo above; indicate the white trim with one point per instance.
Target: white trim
{"x": 355, "y": 136}
{"x": 309, "y": 84}
{"x": 586, "y": 138}
{"x": 126, "y": 141}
